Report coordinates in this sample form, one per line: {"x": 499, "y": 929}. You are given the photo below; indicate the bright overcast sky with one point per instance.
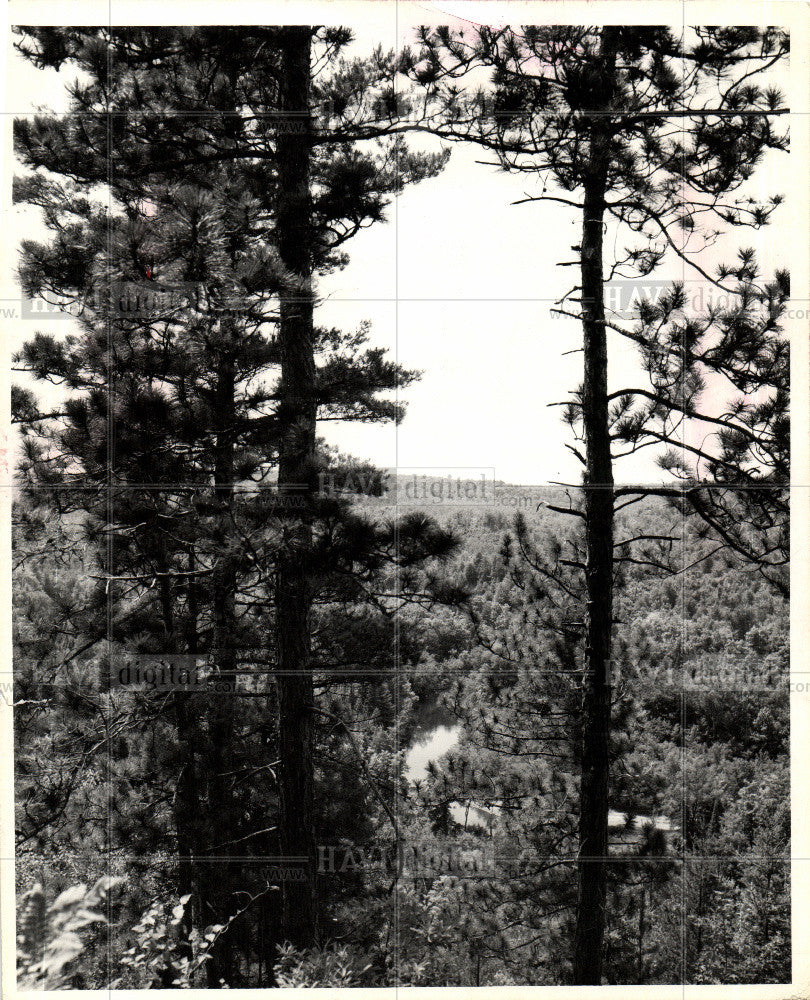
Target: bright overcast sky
{"x": 458, "y": 283}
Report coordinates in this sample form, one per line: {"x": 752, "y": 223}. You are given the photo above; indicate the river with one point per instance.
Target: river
{"x": 436, "y": 733}
{"x": 429, "y": 745}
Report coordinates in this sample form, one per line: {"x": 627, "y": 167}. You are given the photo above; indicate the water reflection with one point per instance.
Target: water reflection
{"x": 429, "y": 745}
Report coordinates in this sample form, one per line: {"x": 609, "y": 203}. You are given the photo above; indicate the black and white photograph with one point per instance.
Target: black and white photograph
{"x": 396, "y": 492}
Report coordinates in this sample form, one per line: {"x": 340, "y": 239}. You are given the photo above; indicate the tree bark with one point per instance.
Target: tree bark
{"x": 219, "y": 902}
{"x": 640, "y": 938}
{"x": 297, "y": 478}
{"x": 187, "y": 805}
{"x": 598, "y": 508}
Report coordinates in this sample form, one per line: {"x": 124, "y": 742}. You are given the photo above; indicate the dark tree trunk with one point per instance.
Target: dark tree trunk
{"x": 219, "y": 900}
{"x": 187, "y": 800}
{"x": 593, "y": 828}
{"x": 297, "y": 479}
{"x": 187, "y": 796}
{"x": 187, "y": 806}
{"x": 640, "y": 939}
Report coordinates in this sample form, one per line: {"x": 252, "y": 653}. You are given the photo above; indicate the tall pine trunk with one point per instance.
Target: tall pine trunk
{"x": 187, "y": 799}
{"x": 593, "y": 826}
{"x": 188, "y": 806}
{"x": 219, "y": 900}
{"x": 296, "y": 483}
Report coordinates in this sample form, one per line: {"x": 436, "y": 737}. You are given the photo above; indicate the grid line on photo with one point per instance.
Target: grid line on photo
{"x": 635, "y": 115}
{"x": 683, "y": 593}
{"x": 110, "y": 542}
{"x": 398, "y": 811}
{"x": 270, "y": 859}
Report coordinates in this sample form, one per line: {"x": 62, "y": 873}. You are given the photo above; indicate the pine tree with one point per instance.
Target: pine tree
{"x": 593, "y": 108}
{"x": 297, "y": 193}
{"x": 517, "y": 699}
{"x": 735, "y": 477}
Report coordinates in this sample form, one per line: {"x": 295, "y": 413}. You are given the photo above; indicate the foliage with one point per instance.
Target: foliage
{"x": 151, "y": 522}
{"x": 51, "y": 938}
{"x": 333, "y": 966}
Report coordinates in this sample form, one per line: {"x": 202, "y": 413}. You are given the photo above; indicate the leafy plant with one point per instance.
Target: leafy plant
{"x": 331, "y": 965}
{"x": 51, "y": 938}
{"x": 166, "y": 952}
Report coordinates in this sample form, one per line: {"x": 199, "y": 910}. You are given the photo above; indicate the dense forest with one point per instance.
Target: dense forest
{"x": 418, "y": 892}
{"x": 279, "y": 721}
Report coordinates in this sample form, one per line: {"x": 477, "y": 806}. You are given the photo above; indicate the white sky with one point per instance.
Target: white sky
{"x": 458, "y": 283}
